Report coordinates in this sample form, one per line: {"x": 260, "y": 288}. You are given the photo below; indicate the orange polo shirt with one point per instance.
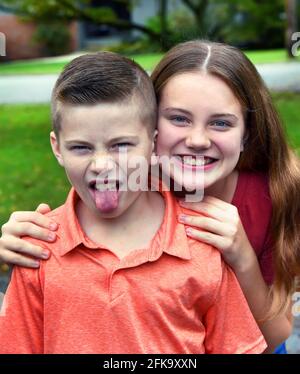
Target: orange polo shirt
{"x": 177, "y": 296}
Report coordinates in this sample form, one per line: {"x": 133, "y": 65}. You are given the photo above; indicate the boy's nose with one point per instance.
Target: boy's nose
{"x": 101, "y": 164}
{"x": 197, "y": 139}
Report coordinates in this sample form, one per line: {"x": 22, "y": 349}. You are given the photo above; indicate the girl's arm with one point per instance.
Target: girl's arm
{"x": 221, "y": 227}
{"x": 14, "y": 250}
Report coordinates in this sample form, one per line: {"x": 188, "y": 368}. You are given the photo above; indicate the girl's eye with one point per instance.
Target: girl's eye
{"x": 221, "y": 125}
{"x": 179, "y": 120}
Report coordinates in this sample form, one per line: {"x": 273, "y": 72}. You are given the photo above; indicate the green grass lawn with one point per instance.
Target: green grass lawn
{"x": 148, "y": 61}
{"x": 46, "y": 66}
{"x": 30, "y": 174}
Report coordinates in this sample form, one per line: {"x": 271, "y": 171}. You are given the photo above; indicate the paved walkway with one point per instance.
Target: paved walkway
{"x": 37, "y": 88}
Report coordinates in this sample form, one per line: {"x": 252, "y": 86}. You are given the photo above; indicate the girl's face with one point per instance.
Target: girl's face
{"x": 199, "y": 116}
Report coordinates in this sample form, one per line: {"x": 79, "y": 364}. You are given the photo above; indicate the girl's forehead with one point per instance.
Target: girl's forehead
{"x": 199, "y": 89}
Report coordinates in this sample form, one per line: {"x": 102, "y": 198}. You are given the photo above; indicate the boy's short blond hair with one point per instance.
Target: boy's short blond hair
{"x": 104, "y": 77}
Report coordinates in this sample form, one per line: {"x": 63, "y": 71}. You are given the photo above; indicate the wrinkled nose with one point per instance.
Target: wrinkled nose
{"x": 102, "y": 164}
{"x": 197, "y": 139}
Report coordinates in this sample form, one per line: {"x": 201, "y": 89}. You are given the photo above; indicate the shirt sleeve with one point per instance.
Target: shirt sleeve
{"x": 21, "y": 316}
{"x": 230, "y": 326}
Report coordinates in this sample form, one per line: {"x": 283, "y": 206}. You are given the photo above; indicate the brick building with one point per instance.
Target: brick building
{"x": 18, "y": 34}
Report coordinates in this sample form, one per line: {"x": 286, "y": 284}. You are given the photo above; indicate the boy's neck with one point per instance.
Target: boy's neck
{"x": 123, "y": 234}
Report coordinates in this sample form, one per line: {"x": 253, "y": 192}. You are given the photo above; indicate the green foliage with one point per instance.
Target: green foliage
{"x": 44, "y": 10}
{"x": 54, "y": 38}
{"x": 181, "y": 27}
{"x": 147, "y": 60}
{"x": 261, "y": 24}
{"x": 70, "y": 10}
{"x": 29, "y": 172}
{"x": 244, "y": 23}
{"x": 140, "y": 46}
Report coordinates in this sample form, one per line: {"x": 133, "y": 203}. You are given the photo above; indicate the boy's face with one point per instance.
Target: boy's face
{"x": 101, "y": 146}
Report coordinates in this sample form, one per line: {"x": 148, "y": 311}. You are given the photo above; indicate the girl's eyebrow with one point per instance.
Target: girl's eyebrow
{"x": 224, "y": 115}
{"x": 216, "y": 115}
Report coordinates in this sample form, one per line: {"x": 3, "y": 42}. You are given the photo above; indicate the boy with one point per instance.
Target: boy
{"x": 112, "y": 286}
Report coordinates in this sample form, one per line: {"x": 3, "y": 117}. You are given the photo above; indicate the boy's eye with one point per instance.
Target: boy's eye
{"x": 221, "y": 125}
{"x": 179, "y": 120}
{"x": 80, "y": 148}
{"x": 121, "y": 147}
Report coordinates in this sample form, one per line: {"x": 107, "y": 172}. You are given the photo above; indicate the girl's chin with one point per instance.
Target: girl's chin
{"x": 187, "y": 186}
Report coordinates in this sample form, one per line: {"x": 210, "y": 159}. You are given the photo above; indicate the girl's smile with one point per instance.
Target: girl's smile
{"x": 201, "y": 128}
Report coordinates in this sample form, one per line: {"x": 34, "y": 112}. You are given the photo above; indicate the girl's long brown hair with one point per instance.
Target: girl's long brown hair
{"x": 266, "y": 149}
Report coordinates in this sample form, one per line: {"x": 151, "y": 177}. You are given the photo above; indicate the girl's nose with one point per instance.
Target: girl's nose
{"x": 197, "y": 139}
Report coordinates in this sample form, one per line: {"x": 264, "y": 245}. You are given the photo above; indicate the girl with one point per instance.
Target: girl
{"x": 214, "y": 105}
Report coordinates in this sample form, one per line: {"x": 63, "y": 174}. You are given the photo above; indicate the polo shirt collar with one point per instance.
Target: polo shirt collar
{"x": 71, "y": 233}
{"x": 171, "y": 237}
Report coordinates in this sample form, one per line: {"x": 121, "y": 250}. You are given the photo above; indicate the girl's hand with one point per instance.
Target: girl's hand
{"x": 220, "y": 227}
{"x": 14, "y": 250}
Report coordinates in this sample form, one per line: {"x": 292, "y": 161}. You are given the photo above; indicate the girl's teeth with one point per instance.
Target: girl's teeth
{"x": 191, "y": 161}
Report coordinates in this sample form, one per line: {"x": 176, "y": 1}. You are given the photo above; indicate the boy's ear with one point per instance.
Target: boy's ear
{"x": 154, "y": 141}
{"x": 154, "y": 158}
{"x": 56, "y": 148}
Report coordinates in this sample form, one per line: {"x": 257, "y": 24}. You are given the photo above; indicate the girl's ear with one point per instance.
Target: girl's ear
{"x": 56, "y": 148}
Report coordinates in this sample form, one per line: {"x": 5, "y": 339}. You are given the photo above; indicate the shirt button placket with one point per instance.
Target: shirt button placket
{"x": 113, "y": 292}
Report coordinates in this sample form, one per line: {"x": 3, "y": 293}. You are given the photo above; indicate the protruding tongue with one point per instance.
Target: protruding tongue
{"x": 106, "y": 201}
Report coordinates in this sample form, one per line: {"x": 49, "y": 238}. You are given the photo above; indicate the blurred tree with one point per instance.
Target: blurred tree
{"x": 291, "y": 27}
{"x": 261, "y": 22}
{"x": 210, "y": 16}
{"x": 53, "y": 37}
{"x": 246, "y": 23}
{"x": 69, "y": 10}
{"x": 194, "y": 19}
{"x": 163, "y": 11}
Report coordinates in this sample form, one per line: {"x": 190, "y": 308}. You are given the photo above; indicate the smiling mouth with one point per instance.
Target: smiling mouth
{"x": 195, "y": 161}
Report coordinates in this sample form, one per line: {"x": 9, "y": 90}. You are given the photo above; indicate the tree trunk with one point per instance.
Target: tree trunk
{"x": 291, "y": 15}
{"x": 163, "y": 23}
{"x": 199, "y": 10}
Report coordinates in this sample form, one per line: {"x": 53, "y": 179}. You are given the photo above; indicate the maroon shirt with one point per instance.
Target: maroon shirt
{"x": 253, "y": 201}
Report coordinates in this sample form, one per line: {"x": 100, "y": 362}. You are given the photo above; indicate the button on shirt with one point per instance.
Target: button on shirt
{"x": 177, "y": 296}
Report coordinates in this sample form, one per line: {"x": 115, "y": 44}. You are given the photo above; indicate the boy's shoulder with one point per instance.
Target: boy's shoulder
{"x": 57, "y": 214}
{"x": 206, "y": 258}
